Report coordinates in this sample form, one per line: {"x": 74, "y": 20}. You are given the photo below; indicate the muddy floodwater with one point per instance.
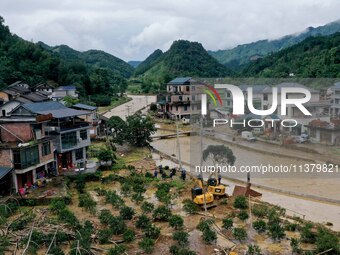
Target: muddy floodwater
{"x": 307, "y": 184}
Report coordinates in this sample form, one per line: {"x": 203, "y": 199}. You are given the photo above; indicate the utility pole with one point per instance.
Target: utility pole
{"x": 128, "y": 110}
{"x": 201, "y": 164}
{"x": 178, "y": 148}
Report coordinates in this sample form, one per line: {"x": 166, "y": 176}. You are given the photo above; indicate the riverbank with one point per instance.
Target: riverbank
{"x": 301, "y": 197}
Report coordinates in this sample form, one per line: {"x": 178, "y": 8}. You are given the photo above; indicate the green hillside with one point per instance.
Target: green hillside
{"x": 184, "y": 58}
{"x": 148, "y": 62}
{"x": 134, "y": 63}
{"x": 21, "y": 60}
{"x": 239, "y": 56}
{"x": 93, "y": 58}
{"x": 313, "y": 57}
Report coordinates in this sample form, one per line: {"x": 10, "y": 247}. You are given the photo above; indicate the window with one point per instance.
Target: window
{"x": 69, "y": 140}
{"x": 265, "y": 97}
{"x": 176, "y": 108}
{"x": 26, "y": 157}
{"x": 46, "y": 149}
{"x": 198, "y": 107}
{"x": 83, "y": 134}
{"x": 79, "y": 154}
{"x": 228, "y": 94}
{"x": 187, "y": 88}
{"x": 193, "y": 97}
{"x": 185, "y": 108}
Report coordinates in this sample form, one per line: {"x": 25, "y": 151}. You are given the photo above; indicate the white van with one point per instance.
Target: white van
{"x": 248, "y": 136}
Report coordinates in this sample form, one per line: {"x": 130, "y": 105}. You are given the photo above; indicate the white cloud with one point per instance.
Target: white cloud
{"x": 132, "y": 29}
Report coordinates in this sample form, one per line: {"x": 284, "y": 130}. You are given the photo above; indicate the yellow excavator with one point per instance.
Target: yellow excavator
{"x": 215, "y": 188}
{"x": 198, "y": 195}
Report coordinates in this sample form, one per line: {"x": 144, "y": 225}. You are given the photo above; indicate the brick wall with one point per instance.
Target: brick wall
{"x": 48, "y": 157}
{"x": 22, "y": 130}
{"x": 5, "y": 157}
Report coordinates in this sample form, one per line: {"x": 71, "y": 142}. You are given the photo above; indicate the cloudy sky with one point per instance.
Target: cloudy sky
{"x": 132, "y": 29}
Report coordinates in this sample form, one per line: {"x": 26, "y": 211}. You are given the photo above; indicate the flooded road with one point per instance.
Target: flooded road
{"x": 320, "y": 187}
{"x": 129, "y": 108}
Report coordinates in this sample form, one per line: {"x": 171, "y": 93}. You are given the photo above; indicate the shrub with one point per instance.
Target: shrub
{"x": 152, "y": 231}
{"x": 241, "y": 202}
{"x": 260, "y": 226}
{"x": 127, "y": 213}
{"x": 176, "y": 250}
{"x": 104, "y": 235}
{"x": 204, "y": 224}
{"x": 117, "y": 225}
{"x": 80, "y": 184}
{"x": 147, "y": 207}
{"x": 86, "y": 201}
{"x": 243, "y": 215}
{"x": 69, "y": 218}
{"x": 55, "y": 250}
{"x": 181, "y": 237}
{"x": 291, "y": 226}
{"x": 57, "y": 205}
{"x": 239, "y": 234}
{"x": 253, "y": 250}
{"x": 126, "y": 189}
{"x": 259, "y": 210}
{"x": 176, "y": 221}
{"x": 129, "y": 235}
{"x": 209, "y": 236}
{"x": 142, "y": 222}
{"x": 163, "y": 196}
{"x": 276, "y": 231}
{"x": 294, "y": 243}
{"x": 307, "y": 235}
{"x": 105, "y": 217}
{"x": 162, "y": 213}
{"x": 189, "y": 206}
{"x": 227, "y": 223}
{"x": 327, "y": 240}
{"x": 117, "y": 250}
{"x": 146, "y": 244}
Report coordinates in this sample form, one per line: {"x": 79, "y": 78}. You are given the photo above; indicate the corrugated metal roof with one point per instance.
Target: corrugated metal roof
{"x": 64, "y": 113}
{"x": 4, "y": 170}
{"x": 44, "y": 106}
{"x": 23, "y": 100}
{"x": 180, "y": 80}
{"x": 85, "y": 107}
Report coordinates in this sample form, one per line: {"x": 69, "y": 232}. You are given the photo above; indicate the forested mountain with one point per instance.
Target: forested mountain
{"x": 313, "y": 57}
{"x": 134, "y": 63}
{"x": 93, "y": 58}
{"x": 239, "y": 56}
{"x": 31, "y": 63}
{"x": 184, "y": 58}
{"x": 148, "y": 62}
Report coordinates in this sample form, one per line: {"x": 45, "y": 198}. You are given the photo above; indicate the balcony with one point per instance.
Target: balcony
{"x": 26, "y": 157}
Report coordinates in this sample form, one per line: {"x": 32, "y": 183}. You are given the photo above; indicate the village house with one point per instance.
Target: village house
{"x": 182, "y": 99}
{"x": 63, "y": 91}
{"x": 96, "y": 121}
{"x": 324, "y": 132}
{"x": 70, "y": 133}
{"x": 25, "y": 151}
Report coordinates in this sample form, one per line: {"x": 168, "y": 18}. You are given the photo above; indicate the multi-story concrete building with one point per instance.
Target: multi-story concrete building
{"x": 70, "y": 133}
{"x": 183, "y": 98}
{"x": 25, "y": 149}
{"x": 334, "y": 94}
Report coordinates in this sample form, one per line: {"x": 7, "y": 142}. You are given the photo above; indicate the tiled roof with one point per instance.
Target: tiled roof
{"x": 181, "y": 80}
{"x": 44, "y": 106}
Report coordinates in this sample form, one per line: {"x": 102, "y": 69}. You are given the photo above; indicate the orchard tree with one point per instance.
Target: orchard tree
{"x": 139, "y": 130}
{"x": 117, "y": 126}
